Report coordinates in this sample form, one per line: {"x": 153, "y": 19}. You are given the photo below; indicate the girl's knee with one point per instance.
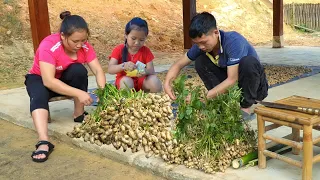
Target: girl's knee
{"x": 126, "y": 82}
{"x": 153, "y": 84}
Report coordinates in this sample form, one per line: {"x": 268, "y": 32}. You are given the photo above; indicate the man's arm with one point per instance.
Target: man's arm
{"x": 173, "y": 73}
{"x": 221, "y": 88}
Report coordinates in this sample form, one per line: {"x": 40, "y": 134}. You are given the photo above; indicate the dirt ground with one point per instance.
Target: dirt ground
{"x": 107, "y": 18}
{"x": 66, "y": 161}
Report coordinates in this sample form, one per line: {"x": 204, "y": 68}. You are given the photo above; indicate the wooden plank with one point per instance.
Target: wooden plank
{"x": 59, "y": 98}
{"x": 189, "y": 11}
{"x": 39, "y": 20}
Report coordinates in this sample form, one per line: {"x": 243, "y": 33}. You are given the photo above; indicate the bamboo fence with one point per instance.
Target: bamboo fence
{"x": 305, "y": 16}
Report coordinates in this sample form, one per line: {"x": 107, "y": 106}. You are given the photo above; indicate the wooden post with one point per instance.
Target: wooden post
{"x": 262, "y": 160}
{"x": 189, "y": 10}
{"x": 39, "y": 20}
{"x": 296, "y": 137}
{"x": 277, "y": 24}
{"x": 307, "y": 153}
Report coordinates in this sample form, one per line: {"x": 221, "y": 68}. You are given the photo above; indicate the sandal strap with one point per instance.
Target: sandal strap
{"x": 81, "y": 117}
{"x": 51, "y": 146}
{"x": 34, "y": 153}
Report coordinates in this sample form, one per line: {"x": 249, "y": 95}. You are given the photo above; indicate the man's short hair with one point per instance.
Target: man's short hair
{"x": 202, "y": 24}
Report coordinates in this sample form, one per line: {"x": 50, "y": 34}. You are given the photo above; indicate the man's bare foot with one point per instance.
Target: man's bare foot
{"x": 247, "y": 115}
{"x": 247, "y": 110}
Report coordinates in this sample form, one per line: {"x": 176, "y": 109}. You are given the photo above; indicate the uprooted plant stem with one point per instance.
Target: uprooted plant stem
{"x": 138, "y": 120}
{"x": 212, "y": 127}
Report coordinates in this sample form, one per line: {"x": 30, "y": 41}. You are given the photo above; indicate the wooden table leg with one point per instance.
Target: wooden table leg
{"x": 307, "y": 153}
{"x": 49, "y": 117}
{"x": 296, "y": 137}
{"x": 261, "y": 142}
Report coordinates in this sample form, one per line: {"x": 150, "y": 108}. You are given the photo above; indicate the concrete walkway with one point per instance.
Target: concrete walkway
{"x": 293, "y": 55}
{"x": 15, "y": 108}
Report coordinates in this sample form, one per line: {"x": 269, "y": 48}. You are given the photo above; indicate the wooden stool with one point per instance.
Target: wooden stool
{"x": 57, "y": 98}
{"x": 297, "y": 121}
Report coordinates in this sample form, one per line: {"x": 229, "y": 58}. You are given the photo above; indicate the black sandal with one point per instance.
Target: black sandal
{"x": 46, "y": 153}
{"x": 80, "y": 118}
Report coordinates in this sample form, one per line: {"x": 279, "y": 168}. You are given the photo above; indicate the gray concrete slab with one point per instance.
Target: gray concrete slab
{"x": 291, "y": 55}
{"x": 14, "y": 105}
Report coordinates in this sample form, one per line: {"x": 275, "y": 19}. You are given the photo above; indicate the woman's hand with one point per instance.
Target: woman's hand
{"x": 85, "y": 98}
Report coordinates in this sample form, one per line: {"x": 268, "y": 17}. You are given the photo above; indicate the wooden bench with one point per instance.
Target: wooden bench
{"x": 297, "y": 121}
{"x": 57, "y": 98}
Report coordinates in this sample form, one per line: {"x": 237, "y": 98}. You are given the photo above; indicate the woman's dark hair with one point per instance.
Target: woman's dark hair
{"x": 202, "y": 24}
{"x": 72, "y": 23}
{"x": 134, "y": 24}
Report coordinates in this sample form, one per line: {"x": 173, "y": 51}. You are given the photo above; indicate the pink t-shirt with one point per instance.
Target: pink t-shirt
{"x": 51, "y": 51}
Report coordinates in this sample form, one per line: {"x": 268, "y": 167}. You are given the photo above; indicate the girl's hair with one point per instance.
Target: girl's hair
{"x": 134, "y": 24}
{"x": 72, "y": 23}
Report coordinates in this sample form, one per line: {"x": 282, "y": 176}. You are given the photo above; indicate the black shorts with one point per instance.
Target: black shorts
{"x": 76, "y": 76}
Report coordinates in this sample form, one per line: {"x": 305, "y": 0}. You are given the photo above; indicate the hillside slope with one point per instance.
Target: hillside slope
{"x": 107, "y": 19}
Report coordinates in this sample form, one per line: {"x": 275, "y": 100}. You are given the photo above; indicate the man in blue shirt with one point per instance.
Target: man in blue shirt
{"x": 221, "y": 60}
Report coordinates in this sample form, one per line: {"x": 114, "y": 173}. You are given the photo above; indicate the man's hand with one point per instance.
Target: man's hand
{"x": 168, "y": 89}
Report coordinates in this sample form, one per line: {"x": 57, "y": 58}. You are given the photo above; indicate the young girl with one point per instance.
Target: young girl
{"x": 124, "y": 58}
{"x": 58, "y": 70}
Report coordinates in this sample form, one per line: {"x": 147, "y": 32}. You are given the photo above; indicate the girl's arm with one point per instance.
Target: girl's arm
{"x": 150, "y": 68}
{"x": 114, "y": 67}
{"x": 96, "y": 69}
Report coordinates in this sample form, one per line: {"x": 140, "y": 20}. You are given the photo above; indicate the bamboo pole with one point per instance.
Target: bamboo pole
{"x": 283, "y": 158}
{"x": 272, "y": 143}
{"x": 284, "y": 123}
{"x": 272, "y": 126}
{"x": 261, "y": 143}
{"x": 282, "y": 116}
{"x": 294, "y": 14}
{"x": 288, "y": 142}
{"x": 317, "y": 17}
{"x": 316, "y": 140}
{"x": 316, "y": 159}
{"x": 296, "y": 138}
{"x": 307, "y": 153}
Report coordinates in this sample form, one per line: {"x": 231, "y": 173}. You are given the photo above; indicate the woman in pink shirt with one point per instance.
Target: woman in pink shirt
{"x": 58, "y": 70}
